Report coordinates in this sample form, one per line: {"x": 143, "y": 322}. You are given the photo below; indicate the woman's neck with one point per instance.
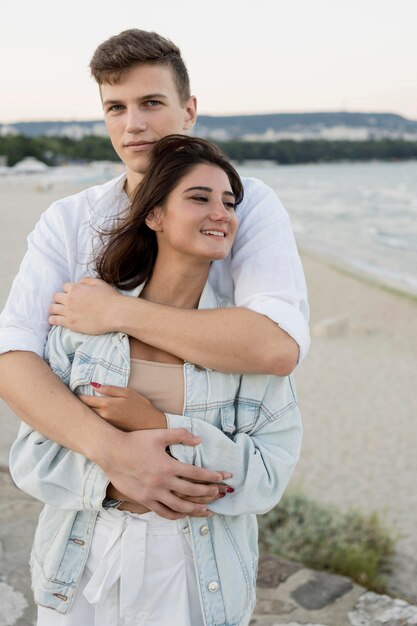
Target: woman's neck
{"x": 175, "y": 285}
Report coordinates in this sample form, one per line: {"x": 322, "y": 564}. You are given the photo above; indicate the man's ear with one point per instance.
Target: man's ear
{"x": 190, "y": 113}
{"x": 154, "y": 219}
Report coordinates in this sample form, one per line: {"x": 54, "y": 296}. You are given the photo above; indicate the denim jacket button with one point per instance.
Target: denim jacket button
{"x": 204, "y": 530}
{"x": 213, "y": 586}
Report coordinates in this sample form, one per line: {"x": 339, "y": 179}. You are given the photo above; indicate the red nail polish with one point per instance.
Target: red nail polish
{"x": 222, "y": 495}
{"x": 96, "y": 385}
{"x": 230, "y": 490}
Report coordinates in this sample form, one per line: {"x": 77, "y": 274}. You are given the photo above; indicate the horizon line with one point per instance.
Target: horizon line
{"x": 204, "y": 114}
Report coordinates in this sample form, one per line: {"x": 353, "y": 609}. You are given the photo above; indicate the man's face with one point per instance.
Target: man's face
{"x": 140, "y": 109}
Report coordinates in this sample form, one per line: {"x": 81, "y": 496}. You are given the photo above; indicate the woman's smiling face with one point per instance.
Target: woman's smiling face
{"x": 198, "y": 219}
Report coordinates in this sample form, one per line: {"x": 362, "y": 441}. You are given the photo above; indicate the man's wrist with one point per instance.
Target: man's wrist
{"x": 101, "y": 444}
{"x": 126, "y": 313}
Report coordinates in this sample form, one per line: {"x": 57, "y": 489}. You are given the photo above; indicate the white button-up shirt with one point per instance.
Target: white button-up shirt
{"x": 262, "y": 273}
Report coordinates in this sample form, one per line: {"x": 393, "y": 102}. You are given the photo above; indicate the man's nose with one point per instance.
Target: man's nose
{"x": 135, "y": 122}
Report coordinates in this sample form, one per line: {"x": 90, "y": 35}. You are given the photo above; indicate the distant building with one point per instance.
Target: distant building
{"x": 8, "y": 130}
{"x": 99, "y": 130}
{"x": 29, "y": 165}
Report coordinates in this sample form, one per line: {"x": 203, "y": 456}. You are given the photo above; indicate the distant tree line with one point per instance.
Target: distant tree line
{"x": 58, "y": 150}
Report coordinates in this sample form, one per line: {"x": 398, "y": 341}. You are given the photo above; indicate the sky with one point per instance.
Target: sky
{"x": 244, "y": 56}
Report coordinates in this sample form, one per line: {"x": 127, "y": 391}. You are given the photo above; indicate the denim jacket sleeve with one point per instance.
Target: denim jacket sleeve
{"x": 46, "y": 470}
{"x": 261, "y": 460}
{"x": 55, "y": 475}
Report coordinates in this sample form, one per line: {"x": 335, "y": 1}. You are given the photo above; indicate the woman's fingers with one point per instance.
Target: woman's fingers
{"x": 187, "y": 508}
{"x": 186, "y": 489}
{"x": 201, "y": 499}
{"x": 110, "y": 390}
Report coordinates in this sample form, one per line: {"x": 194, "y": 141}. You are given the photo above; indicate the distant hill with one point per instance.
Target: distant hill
{"x": 268, "y": 127}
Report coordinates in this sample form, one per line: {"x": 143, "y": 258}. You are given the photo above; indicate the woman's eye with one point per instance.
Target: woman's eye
{"x": 200, "y": 198}
{"x": 230, "y": 205}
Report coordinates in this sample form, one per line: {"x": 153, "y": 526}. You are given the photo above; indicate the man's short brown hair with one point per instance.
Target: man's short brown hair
{"x": 132, "y": 47}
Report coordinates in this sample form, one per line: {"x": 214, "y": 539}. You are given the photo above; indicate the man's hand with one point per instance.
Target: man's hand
{"x": 129, "y": 410}
{"x": 138, "y": 466}
{"x": 125, "y": 408}
{"x": 86, "y": 307}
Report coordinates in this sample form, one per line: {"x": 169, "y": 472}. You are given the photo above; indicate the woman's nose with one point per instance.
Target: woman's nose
{"x": 219, "y": 211}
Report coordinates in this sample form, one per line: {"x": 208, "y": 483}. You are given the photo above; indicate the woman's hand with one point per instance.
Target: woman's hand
{"x": 125, "y": 408}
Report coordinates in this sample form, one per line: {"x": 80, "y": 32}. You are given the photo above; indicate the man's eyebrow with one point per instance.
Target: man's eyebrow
{"x": 150, "y": 96}
{"x": 209, "y": 189}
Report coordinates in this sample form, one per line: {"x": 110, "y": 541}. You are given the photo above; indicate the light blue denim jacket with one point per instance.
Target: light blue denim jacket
{"x": 249, "y": 425}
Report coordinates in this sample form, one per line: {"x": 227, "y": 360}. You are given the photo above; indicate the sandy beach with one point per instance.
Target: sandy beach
{"x": 356, "y": 388}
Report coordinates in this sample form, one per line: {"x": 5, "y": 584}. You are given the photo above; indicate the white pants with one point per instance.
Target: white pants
{"x": 140, "y": 572}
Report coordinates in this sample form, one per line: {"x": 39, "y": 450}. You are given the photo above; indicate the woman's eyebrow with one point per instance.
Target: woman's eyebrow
{"x": 209, "y": 189}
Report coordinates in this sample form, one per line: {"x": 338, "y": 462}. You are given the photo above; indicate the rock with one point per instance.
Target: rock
{"x": 321, "y": 590}
{"x": 274, "y": 570}
{"x": 373, "y": 609}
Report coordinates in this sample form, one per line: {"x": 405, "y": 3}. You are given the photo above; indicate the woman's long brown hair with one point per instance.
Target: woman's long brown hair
{"x": 128, "y": 253}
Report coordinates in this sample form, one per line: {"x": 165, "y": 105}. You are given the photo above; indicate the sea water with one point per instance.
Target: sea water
{"x": 360, "y": 215}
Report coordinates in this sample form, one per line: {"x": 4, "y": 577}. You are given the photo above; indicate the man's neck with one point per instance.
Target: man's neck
{"x": 133, "y": 179}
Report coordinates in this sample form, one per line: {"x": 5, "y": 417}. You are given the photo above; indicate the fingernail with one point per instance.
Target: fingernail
{"x": 227, "y": 475}
{"x": 230, "y": 490}
{"x": 222, "y": 495}
{"x": 96, "y": 385}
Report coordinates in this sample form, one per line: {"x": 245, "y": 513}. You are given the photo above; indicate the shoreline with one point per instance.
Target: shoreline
{"x": 337, "y": 264}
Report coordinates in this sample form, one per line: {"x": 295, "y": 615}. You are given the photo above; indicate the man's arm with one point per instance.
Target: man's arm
{"x": 267, "y": 332}
{"x": 227, "y": 339}
{"x": 136, "y": 463}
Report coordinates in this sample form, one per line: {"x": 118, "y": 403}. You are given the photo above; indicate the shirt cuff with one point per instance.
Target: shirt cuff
{"x": 12, "y": 339}
{"x": 288, "y": 317}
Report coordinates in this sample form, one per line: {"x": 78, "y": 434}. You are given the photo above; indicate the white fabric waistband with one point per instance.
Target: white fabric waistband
{"x": 124, "y": 558}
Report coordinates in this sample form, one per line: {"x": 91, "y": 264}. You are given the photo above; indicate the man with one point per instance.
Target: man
{"x": 145, "y": 92}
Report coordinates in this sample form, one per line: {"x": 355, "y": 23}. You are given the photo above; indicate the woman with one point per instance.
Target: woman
{"x": 92, "y": 563}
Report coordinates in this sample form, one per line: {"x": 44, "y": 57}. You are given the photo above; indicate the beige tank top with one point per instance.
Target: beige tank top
{"x": 161, "y": 383}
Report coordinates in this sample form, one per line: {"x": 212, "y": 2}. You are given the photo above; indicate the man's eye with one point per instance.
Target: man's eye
{"x": 116, "y": 108}
{"x": 152, "y": 103}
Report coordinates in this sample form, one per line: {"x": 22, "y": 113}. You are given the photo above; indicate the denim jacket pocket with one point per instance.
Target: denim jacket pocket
{"x": 81, "y": 375}
{"x": 51, "y": 540}
{"x": 227, "y": 416}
